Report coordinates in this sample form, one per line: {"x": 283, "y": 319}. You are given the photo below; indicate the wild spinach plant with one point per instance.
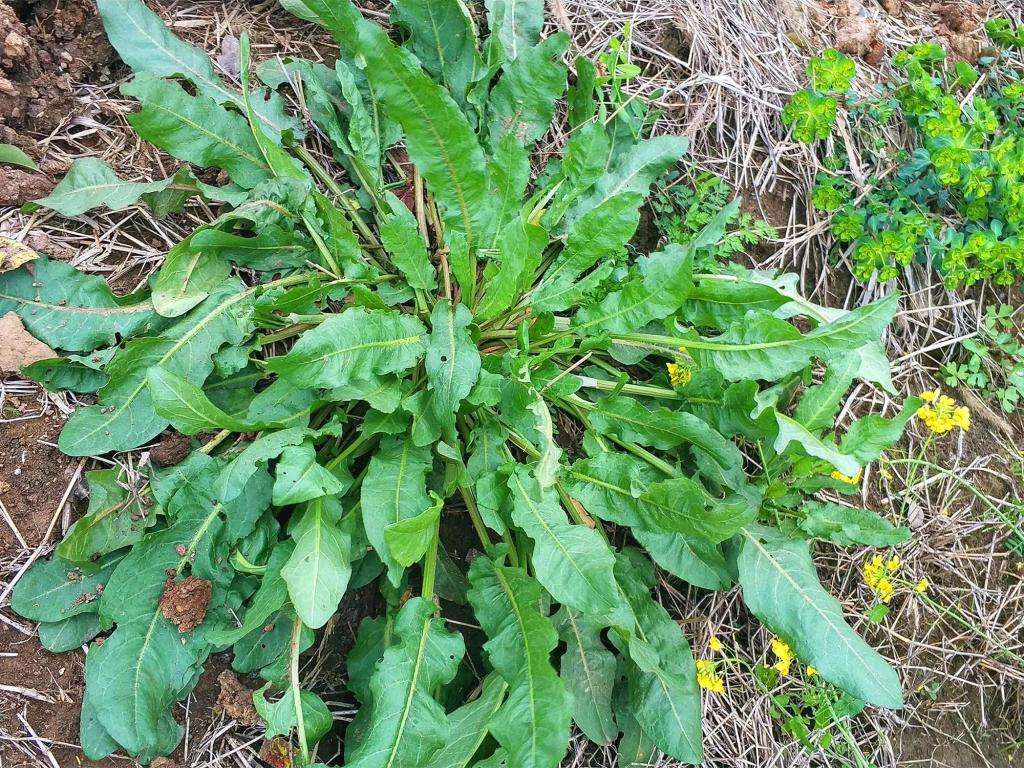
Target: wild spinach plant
{"x": 371, "y": 360}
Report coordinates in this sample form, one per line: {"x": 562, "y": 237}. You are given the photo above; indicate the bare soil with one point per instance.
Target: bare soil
{"x": 33, "y": 475}
{"x": 46, "y": 48}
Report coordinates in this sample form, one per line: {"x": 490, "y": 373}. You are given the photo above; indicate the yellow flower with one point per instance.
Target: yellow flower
{"x": 878, "y": 574}
{"x": 921, "y": 587}
{"x": 884, "y": 590}
{"x": 715, "y": 644}
{"x": 942, "y": 414}
{"x": 837, "y": 475}
{"x": 811, "y": 671}
{"x": 873, "y": 571}
{"x": 784, "y": 654}
{"x": 679, "y": 375}
{"x": 708, "y": 677}
{"x": 885, "y": 473}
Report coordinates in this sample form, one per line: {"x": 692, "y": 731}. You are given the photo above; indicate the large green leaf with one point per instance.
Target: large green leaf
{"x": 781, "y": 588}
{"x": 409, "y": 539}
{"x": 719, "y": 302}
{"x": 627, "y": 419}
{"x": 187, "y": 276}
{"x": 533, "y": 723}
{"x": 272, "y": 248}
{"x": 138, "y": 672}
{"x": 662, "y": 679}
{"x": 850, "y": 526}
{"x": 91, "y": 183}
{"x": 470, "y": 725}
{"x": 654, "y": 292}
{"x": 517, "y": 22}
{"x": 134, "y": 678}
{"x": 600, "y": 235}
{"x": 819, "y": 405}
{"x": 634, "y": 171}
{"x": 869, "y": 435}
{"x": 442, "y": 35}
{"x": 401, "y": 236}
{"x": 572, "y": 561}
{"x": 70, "y": 633}
{"x": 791, "y": 431}
{"x": 452, "y": 361}
{"x": 509, "y": 173}
{"x": 697, "y": 562}
{"x": 185, "y": 406}
{"x": 511, "y": 268}
{"x": 761, "y": 346}
{"x": 76, "y": 373}
{"x": 196, "y": 129}
{"x": 618, "y": 488}
{"x": 300, "y": 477}
{"x": 439, "y": 139}
{"x": 356, "y": 344}
{"x": 318, "y": 570}
{"x": 124, "y": 418}
{"x": 407, "y": 725}
{"x": 588, "y": 670}
{"x": 145, "y": 44}
{"x": 523, "y": 100}
{"x": 69, "y": 310}
{"x": 117, "y": 517}
{"x": 394, "y": 489}
{"x": 56, "y": 589}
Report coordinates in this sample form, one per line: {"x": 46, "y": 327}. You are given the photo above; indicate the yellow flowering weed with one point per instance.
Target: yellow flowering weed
{"x": 708, "y": 677}
{"x": 941, "y": 413}
{"x": 784, "y": 654}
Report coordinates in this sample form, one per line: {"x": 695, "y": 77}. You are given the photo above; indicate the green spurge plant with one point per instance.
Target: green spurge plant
{"x": 957, "y": 197}
{"x": 368, "y": 368}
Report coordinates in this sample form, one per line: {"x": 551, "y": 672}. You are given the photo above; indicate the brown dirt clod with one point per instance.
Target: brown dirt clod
{"x": 184, "y": 603}
{"x": 956, "y": 27}
{"x": 43, "y": 54}
{"x": 236, "y": 700}
{"x": 859, "y": 36}
{"x": 17, "y": 346}
{"x": 171, "y": 450}
{"x": 18, "y": 187}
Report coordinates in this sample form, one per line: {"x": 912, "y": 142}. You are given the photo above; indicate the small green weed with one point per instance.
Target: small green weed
{"x": 994, "y": 365}
{"x": 683, "y": 208}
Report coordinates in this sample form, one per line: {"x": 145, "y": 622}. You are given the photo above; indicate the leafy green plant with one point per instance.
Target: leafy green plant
{"x": 957, "y": 197}
{"x": 363, "y": 376}
{"x": 994, "y": 363}
{"x": 817, "y": 716}
{"x": 682, "y": 208}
